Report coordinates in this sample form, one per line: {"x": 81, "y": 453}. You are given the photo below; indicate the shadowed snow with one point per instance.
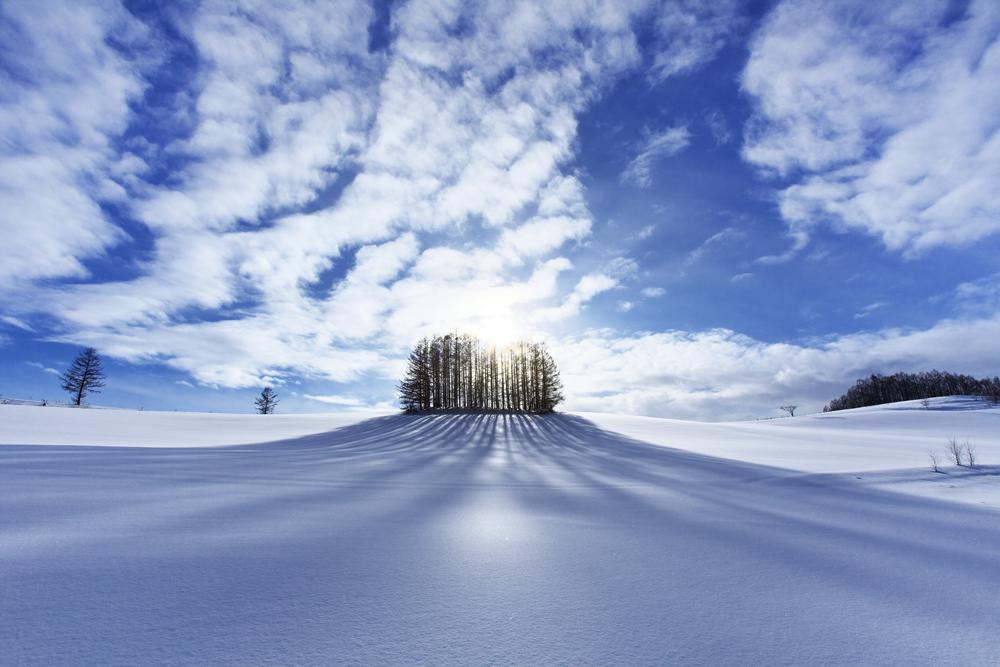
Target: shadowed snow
{"x": 472, "y": 539}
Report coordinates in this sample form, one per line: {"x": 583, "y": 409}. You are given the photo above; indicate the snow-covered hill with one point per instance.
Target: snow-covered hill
{"x": 898, "y": 435}
{"x": 886, "y": 446}
{"x": 458, "y": 539}
{"x": 32, "y": 425}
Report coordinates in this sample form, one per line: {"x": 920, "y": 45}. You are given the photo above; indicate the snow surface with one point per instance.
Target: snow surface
{"x": 898, "y": 435}
{"x": 885, "y": 446}
{"x": 25, "y": 425}
{"x": 471, "y": 539}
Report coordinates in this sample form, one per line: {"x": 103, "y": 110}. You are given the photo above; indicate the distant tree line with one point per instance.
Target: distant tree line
{"x": 460, "y": 372}
{"x": 879, "y": 389}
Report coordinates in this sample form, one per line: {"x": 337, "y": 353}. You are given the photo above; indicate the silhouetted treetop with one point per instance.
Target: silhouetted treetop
{"x": 461, "y": 372}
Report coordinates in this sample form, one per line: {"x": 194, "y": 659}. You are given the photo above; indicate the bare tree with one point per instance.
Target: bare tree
{"x": 970, "y": 454}
{"x": 266, "y": 402}
{"x": 461, "y": 372}
{"x": 84, "y": 376}
{"x": 926, "y": 402}
{"x": 878, "y": 389}
{"x": 790, "y": 409}
{"x": 954, "y": 451}
{"x": 935, "y": 462}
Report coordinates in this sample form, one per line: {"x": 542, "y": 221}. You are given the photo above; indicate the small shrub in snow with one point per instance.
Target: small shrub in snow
{"x": 955, "y": 451}
{"x": 970, "y": 454}
{"x": 935, "y": 462}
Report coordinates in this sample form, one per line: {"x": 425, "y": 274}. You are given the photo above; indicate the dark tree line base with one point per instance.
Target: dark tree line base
{"x": 461, "y": 373}
{"x": 880, "y": 389}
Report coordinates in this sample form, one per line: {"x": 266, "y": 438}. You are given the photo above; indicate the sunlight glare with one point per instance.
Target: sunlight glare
{"x": 492, "y": 317}
{"x": 497, "y": 331}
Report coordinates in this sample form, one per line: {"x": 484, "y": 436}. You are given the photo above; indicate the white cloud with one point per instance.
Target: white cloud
{"x": 719, "y": 127}
{"x": 720, "y": 238}
{"x": 799, "y": 238}
{"x": 359, "y": 303}
{"x": 236, "y": 353}
{"x": 586, "y": 289}
{"x": 653, "y": 292}
{"x": 42, "y": 367}
{"x": 866, "y": 311}
{"x": 66, "y": 97}
{"x": 721, "y": 374}
{"x": 591, "y": 285}
{"x": 621, "y": 268}
{"x": 540, "y": 236}
{"x": 447, "y": 132}
{"x": 334, "y": 399}
{"x": 15, "y": 322}
{"x": 979, "y": 297}
{"x": 691, "y": 33}
{"x": 266, "y": 136}
{"x": 655, "y": 147}
{"x": 883, "y": 116}
{"x": 454, "y": 153}
{"x": 191, "y": 269}
{"x": 644, "y": 233}
{"x": 378, "y": 264}
{"x": 350, "y": 402}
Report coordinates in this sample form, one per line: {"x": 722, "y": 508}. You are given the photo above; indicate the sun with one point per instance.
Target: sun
{"x": 491, "y": 315}
{"x": 499, "y": 330}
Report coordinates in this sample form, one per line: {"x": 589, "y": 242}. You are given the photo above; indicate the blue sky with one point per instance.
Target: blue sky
{"x": 706, "y": 209}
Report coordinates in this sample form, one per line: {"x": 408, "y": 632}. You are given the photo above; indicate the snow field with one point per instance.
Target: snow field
{"x": 458, "y": 539}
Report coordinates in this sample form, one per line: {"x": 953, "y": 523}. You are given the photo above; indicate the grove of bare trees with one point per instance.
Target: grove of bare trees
{"x": 461, "y": 372}
{"x": 879, "y": 389}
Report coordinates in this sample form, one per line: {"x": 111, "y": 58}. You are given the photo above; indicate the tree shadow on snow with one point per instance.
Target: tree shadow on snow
{"x": 605, "y": 504}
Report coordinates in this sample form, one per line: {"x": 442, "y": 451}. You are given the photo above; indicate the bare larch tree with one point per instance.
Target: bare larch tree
{"x": 266, "y": 402}
{"x": 84, "y": 376}
{"x": 460, "y": 372}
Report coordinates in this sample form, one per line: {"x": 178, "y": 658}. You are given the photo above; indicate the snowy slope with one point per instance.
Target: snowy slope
{"x": 885, "y": 437}
{"x": 463, "y": 539}
{"x": 884, "y": 447}
{"x": 32, "y": 425}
